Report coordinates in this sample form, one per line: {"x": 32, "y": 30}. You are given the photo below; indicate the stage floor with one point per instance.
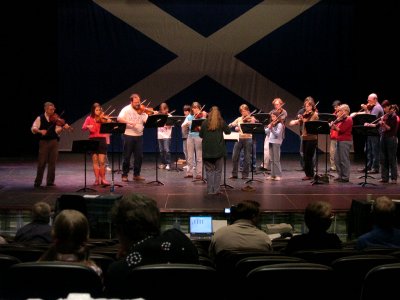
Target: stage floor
{"x": 178, "y": 194}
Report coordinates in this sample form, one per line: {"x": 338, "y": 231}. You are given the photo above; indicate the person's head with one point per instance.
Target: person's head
{"x": 195, "y": 107}
{"x": 135, "y": 101}
{"x": 336, "y": 104}
{"x": 246, "y": 209}
{"x": 343, "y": 109}
{"x": 164, "y": 108}
{"x": 135, "y": 217}
{"x": 277, "y": 103}
{"x": 384, "y": 212}
{"x": 372, "y": 99}
{"x": 96, "y": 110}
{"x": 318, "y": 216}
{"x": 309, "y": 104}
{"x": 244, "y": 110}
{"x": 386, "y": 106}
{"x": 186, "y": 109}
{"x": 41, "y": 212}
{"x": 214, "y": 119}
{"x": 49, "y": 108}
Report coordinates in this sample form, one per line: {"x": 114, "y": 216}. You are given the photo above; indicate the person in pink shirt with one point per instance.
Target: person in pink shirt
{"x": 92, "y": 124}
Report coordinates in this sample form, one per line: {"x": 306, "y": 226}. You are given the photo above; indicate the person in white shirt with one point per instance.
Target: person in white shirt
{"x": 164, "y": 139}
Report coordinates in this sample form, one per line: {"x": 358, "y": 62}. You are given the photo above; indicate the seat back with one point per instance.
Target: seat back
{"x": 6, "y": 261}
{"x": 324, "y": 256}
{"x": 291, "y": 281}
{"x": 52, "y": 280}
{"x": 381, "y": 282}
{"x": 103, "y": 261}
{"x": 351, "y": 270}
{"x": 172, "y": 281}
{"x": 24, "y": 254}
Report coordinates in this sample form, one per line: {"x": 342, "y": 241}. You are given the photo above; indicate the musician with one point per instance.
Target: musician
{"x": 164, "y": 139}
{"x": 245, "y": 141}
{"x": 333, "y": 137}
{"x": 374, "y": 108}
{"x": 309, "y": 141}
{"x": 388, "y": 127}
{"x": 194, "y": 147}
{"x": 343, "y": 125}
{"x": 92, "y": 124}
{"x": 275, "y": 132}
{"x": 46, "y": 128}
{"x": 282, "y": 113}
{"x": 135, "y": 118}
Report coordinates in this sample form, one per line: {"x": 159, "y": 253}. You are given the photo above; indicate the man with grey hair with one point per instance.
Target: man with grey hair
{"x": 39, "y": 229}
{"x": 47, "y": 128}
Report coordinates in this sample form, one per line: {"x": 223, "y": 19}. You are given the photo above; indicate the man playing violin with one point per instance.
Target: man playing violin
{"x": 245, "y": 141}
{"x": 46, "y": 128}
{"x": 374, "y": 108}
{"x": 92, "y": 124}
{"x": 343, "y": 125}
{"x": 135, "y": 118}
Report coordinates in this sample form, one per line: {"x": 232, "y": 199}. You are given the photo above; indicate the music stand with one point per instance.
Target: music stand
{"x": 85, "y": 146}
{"x": 176, "y": 122}
{"x": 111, "y": 128}
{"x": 252, "y": 128}
{"x": 262, "y": 118}
{"x": 328, "y": 118}
{"x": 155, "y": 121}
{"x": 233, "y": 136}
{"x": 359, "y": 128}
{"x": 196, "y": 123}
{"x": 317, "y": 127}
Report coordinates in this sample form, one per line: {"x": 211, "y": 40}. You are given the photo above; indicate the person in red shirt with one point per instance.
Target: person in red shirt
{"x": 343, "y": 125}
{"x": 333, "y": 136}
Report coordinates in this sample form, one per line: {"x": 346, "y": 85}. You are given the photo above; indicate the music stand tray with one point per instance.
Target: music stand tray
{"x": 363, "y": 118}
{"x": 85, "y": 146}
{"x": 196, "y": 123}
{"x": 176, "y": 121}
{"x": 112, "y": 127}
{"x": 155, "y": 121}
{"x": 326, "y": 117}
{"x": 263, "y": 118}
{"x": 252, "y": 128}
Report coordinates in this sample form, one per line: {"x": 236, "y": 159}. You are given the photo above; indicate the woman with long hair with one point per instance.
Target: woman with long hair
{"x": 214, "y": 149}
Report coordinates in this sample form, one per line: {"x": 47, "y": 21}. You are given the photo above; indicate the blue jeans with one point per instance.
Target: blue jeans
{"x": 164, "y": 146}
{"x": 132, "y": 144}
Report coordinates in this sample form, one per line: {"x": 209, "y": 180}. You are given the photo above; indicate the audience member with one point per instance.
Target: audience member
{"x": 242, "y": 233}
{"x": 39, "y": 229}
{"x": 318, "y": 218}
{"x": 70, "y": 234}
{"x": 3, "y": 240}
{"x": 384, "y": 234}
{"x": 138, "y": 227}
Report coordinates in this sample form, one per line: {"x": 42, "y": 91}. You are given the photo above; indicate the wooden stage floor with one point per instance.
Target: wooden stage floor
{"x": 178, "y": 194}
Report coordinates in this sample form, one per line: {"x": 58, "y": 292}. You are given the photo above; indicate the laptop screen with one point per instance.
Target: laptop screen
{"x": 201, "y": 225}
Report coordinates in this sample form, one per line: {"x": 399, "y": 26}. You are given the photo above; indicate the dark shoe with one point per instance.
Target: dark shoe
{"x": 50, "y": 184}
{"x": 188, "y": 176}
{"x": 138, "y": 178}
{"x": 306, "y": 178}
{"x": 343, "y": 180}
{"x": 394, "y": 181}
{"x": 199, "y": 177}
{"x": 233, "y": 177}
{"x": 124, "y": 178}
{"x": 373, "y": 171}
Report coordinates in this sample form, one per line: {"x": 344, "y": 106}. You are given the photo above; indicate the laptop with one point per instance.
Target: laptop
{"x": 200, "y": 227}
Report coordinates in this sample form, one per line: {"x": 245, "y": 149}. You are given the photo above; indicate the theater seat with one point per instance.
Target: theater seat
{"x": 51, "y": 280}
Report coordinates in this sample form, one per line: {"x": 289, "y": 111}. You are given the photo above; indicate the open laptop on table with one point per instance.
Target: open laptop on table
{"x": 200, "y": 227}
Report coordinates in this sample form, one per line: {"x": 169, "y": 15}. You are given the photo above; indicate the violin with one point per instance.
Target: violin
{"x": 104, "y": 118}
{"x": 248, "y": 118}
{"x": 307, "y": 114}
{"x": 56, "y": 120}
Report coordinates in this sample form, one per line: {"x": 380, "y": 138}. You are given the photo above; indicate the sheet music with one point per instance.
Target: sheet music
{"x": 234, "y": 136}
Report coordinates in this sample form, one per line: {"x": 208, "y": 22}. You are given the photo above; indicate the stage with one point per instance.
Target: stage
{"x": 179, "y": 194}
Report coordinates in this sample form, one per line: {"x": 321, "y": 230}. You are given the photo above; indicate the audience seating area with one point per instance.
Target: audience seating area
{"x": 323, "y": 274}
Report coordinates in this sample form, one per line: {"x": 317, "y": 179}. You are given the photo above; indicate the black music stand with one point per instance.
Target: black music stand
{"x": 359, "y": 128}
{"x": 196, "y": 123}
{"x": 176, "y": 122}
{"x": 262, "y": 118}
{"x": 111, "y": 128}
{"x": 252, "y": 128}
{"x": 229, "y": 137}
{"x": 328, "y": 118}
{"x": 85, "y": 146}
{"x": 155, "y": 121}
{"x": 317, "y": 127}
